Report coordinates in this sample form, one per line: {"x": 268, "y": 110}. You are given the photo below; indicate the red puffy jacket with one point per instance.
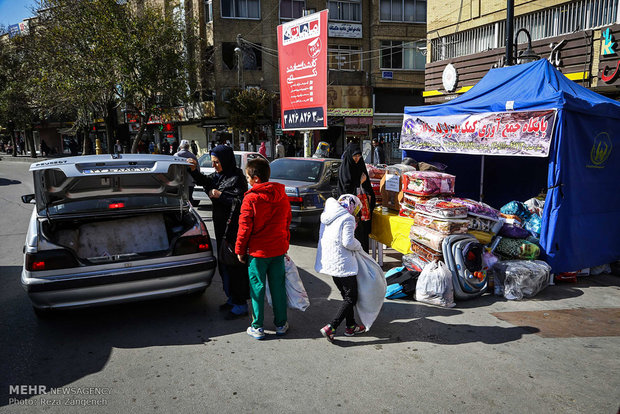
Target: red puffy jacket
{"x": 264, "y": 221}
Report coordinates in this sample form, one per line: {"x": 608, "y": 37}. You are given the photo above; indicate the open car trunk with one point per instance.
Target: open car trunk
{"x": 103, "y": 240}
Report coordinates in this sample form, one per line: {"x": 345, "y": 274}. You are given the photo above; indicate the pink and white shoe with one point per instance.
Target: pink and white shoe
{"x": 328, "y": 332}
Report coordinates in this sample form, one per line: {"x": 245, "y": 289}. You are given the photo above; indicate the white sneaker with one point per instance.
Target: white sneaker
{"x": 256, "y": 333}
{"x": 281, "y": 330}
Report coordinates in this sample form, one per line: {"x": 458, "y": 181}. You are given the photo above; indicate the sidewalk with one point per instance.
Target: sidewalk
{"x": 26, "y": 158}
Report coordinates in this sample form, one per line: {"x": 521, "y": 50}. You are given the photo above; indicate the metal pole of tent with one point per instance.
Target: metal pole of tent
{"x": 482, "y": 178}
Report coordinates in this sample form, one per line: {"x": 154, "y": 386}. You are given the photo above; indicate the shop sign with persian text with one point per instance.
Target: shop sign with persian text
{"x": 517, "y": 133}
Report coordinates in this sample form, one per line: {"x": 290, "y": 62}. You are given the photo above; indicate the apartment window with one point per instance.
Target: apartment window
{"x": 252, "y": 56}
{"x": 208, "y": 11}
{"x": 344, "y": 58}
{"x": 241, "y": 9}
{"x": 292, "y": 9}
{"x": 403, "y": 11}
{"x": 396, "y": 54}
{"x": 350, "y": 11}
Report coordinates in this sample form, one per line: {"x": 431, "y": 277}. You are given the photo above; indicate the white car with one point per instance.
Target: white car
{"x": 241, "y": 159}
{"x": 113, "y": 228}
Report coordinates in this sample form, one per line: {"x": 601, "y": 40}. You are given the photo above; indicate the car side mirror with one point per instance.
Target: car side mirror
{"x": 28, "y": 199}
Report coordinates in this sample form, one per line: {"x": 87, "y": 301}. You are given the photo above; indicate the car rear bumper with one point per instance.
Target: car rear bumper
{"x": 305, "y": 217}
{"x": 118, "y": 286}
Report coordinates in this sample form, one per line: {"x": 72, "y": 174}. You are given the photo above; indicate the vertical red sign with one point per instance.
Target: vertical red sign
{"x": 302, "y": 58}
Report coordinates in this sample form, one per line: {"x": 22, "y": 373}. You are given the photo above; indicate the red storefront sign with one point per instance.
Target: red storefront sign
{"x": 302, "y": 56}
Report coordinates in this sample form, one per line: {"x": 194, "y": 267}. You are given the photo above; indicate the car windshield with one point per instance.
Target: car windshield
{"x": 238, "y": 159}
{"x": 296, "y": 170}
{"x": 114, "y": 204}
{"x": 205, "y": 161}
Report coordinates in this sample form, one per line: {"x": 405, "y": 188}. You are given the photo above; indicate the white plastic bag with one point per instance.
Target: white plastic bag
{"x": 435, "y": 285}
{"x": 296, "y": 296}
{"x": 371, "y": 287}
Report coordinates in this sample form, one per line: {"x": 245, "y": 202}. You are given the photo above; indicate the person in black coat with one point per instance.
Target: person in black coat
{"x": 226, "y": 187}
{"x": 351, "y": 176}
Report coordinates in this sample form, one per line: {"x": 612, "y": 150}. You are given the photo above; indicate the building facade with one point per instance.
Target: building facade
{"x": 466, "y": 39}
{"x": 375, "y": 59}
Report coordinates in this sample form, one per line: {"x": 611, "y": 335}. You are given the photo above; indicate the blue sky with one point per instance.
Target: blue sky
{"x": 14, "y": 11}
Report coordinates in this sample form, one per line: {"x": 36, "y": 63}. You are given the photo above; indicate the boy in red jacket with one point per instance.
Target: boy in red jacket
{"x": 264, "y": 235}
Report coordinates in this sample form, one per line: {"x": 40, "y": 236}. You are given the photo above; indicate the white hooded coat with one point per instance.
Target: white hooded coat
{"x": 337, "y": 242}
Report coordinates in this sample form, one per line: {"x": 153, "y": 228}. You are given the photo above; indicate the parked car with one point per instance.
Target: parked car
{"x": 108, "y": 229}
{"x": 308, "y": 183}
{"x": 241, "y": 158}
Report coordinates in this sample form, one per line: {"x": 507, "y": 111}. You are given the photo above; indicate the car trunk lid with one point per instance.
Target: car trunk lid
{"x": 99, "y": 183}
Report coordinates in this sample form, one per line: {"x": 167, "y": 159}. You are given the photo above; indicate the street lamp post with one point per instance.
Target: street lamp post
{"x": 528, "y": 54}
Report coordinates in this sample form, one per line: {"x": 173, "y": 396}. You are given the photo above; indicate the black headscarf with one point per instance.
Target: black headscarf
{"x": 350, "y": 172}
{"x": 226, "y": 156}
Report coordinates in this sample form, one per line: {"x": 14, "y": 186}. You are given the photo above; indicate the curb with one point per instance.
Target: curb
{"x": 30, "y": 160}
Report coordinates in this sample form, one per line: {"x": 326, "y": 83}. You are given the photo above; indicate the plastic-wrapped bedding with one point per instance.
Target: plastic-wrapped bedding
{"x": 522, "y": 278}
{"x": 398, "y": 169}
{"x": 414, "y": 261}
{"x": 442, "y": 225}
{"x": 481, "y": 223}
{"x": 427, "y": 237}
{"x": 427, "y": 183}
{"x": 424, "y": 252}
{"x": 412, "y": 199}
{"x": 375, "y": 172}
{"x": 437, "y": 207}
{"x": 406, "y": 211}
{"x": 477, "y": 208}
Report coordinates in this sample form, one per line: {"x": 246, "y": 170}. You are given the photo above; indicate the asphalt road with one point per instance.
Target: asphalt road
{"x": 180, "y": 355}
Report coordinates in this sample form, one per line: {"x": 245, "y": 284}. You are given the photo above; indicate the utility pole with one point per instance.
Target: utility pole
{"x": 510, "y": 14}
{"x": 239, "y": 53}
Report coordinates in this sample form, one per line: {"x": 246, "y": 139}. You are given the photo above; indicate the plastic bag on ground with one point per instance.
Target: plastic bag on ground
{"x": 296, "y": 296}
{"x": 434, "y": 285}
{"x": 371, "y": 288}
{"x": 522, "y": 278}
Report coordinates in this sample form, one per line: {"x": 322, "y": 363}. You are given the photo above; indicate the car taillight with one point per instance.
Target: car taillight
{"x": 192, "y": 244}
{"x": 296, "y": 200}
{"x": 116, "y": 205}
{"x": 50, "y": 260}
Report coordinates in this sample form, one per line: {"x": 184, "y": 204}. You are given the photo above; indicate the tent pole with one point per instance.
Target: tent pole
{"x": 482, "y": 178}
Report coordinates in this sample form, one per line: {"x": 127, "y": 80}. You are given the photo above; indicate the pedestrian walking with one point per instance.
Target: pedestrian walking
{"x": 353, "y": 175}
{"x": 335, "y": 257}
{"x": 225, "y": 187}
{"x": 118, "y": 148}
{"x": 165, "y": 147}
{"x": 263, "y": 240}
{"x": 378, "y": 151}
{"x": 194, "y": 147}
{"x": 263, "y": 149}
{"x": 45, "y": 149}
{"x": 189, "y": 181}
{"x": 280, "y": 150}
{"x": 151, "y": 147}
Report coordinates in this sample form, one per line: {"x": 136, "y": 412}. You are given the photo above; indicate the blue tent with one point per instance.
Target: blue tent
{"x": 581, "y": 220}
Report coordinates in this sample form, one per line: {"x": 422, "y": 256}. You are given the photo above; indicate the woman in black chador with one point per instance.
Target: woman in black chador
{"x": 351, "y": 176}
{"x": 225, "y": 187}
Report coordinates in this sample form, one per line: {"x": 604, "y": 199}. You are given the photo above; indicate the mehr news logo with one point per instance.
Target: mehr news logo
{"x": 62, "y": 396}
{"x": 601, "y": 150}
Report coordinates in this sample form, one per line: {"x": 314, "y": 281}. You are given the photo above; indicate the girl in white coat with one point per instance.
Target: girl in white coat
{"x": 335, "y": 257}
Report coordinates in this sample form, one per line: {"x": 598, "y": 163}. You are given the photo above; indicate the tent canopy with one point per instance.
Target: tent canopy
{"x": 581, "y": 221}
